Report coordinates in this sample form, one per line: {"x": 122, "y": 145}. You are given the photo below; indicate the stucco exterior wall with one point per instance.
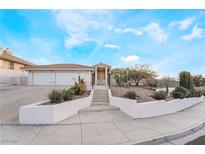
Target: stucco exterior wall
{"x": 13, "y": 77}
{"x": 153, "y": 108}
{"x": 18, "y": 66}
{"x": 51, "y": 114}
{"x": 4, "y": 64}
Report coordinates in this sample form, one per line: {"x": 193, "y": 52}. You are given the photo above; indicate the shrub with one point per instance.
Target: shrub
{"x": 79, "y": 88}
{"x": 151, "y": 82}
{"x": 177, "y": 95}
{"x": 195, "y": 93}
{"x": 130, "y": 95}
{"x": 121, "y": 77}
{"x": 197, "y": 80}
{"x": 55, "y": 97}
{"x": 180, "y": 92}
{"x": 159, "y": 95}
{"x": 67, "y": 94}
{"x": 186, "y": 80}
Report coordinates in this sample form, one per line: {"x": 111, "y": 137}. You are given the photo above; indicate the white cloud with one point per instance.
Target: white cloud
{"x": 40, "y": 61}
{"x": 112, "y": 46}
{"x": 72, "y": 42}
{"x": 134, "y": 31}
{"x": 183, "y": 24}
{"x": 196, "y": 33}
{"x": 156, "y": 32}
{"x": 130, "y": 59}
{"x": 81, "y": 25}
{"x": 43, "y": 45}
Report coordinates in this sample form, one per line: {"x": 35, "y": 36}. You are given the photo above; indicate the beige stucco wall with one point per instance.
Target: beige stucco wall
{"x": 18, "y": 66}
{"x": 6, "y": 65}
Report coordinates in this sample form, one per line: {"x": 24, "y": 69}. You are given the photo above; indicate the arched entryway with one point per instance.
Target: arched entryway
{"x": 101, "y": 74}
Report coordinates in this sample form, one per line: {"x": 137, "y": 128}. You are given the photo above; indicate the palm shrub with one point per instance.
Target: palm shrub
{"x": 197, "y": 80}
{"x": 159, "y": 95}
{"x": 186, "y": 80}
{"x": 55, "y": 97}
{"x": 130, "y": 95}
{"x": 180, "y": 92}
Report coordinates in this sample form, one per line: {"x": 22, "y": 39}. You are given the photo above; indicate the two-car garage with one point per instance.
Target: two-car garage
{"x": 59, "y": 77}
{"x": 59, "y": 74}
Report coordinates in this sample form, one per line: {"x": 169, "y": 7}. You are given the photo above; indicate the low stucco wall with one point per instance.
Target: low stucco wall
{"x": 51, "y": 114}
{"x": 154, "y": 108}
{"x": 13, "y": 77}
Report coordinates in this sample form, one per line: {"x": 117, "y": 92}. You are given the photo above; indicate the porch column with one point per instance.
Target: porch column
{"x": 96, "y": 75}
{"x": 106, "y": 75}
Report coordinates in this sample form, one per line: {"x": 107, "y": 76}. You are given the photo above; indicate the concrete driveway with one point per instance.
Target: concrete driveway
{"x": 12, "y": 97}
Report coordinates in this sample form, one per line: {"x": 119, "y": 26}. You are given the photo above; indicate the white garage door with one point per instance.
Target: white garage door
{"x": 66, "y": 78}
{"x": 42, "y": 78}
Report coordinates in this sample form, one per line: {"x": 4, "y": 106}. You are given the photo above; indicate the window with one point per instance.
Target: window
{"x": 11, "y": 65}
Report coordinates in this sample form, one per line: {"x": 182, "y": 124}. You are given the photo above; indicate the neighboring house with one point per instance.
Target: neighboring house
{"x": 10, "y": 68}
{"x": 9, "y": 61}
{"x": 67, "y": 74}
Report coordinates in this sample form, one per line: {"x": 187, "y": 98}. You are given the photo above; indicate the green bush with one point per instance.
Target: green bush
{"x": 159, "y": 95}
{"x": 180, "y": 92}
{"x": 130, "y": 95}
{"x": 67, "y": 94}
{"x": 55, "y": 97}
{"x": 195, "y": 93}
{"x": 177, "y": 95}
{"x": 151, "y": 82}
{"x": 121, "y": 77}
{"x": 186, "y": 80}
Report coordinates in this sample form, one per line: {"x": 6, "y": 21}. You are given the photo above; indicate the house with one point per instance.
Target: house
{"x": 10, "y": 68}
{"x": 67, "y": 74}
{"x": 9, "y": 61}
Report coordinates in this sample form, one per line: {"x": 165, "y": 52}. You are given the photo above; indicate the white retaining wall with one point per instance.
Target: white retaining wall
{"x": 154, "y": 108}
{"x": 51, "y": 114}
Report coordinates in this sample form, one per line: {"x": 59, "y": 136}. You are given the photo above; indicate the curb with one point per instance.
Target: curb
{"x": 171, "y": 137}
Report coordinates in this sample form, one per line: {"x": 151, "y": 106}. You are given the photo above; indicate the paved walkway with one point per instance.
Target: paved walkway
{"x": 107, "y": 126}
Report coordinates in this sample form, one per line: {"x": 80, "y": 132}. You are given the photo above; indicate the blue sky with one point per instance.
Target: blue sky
{"x": 168, "y": 40}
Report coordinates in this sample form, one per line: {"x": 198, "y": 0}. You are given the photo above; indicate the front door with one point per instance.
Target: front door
{"x": 101, "y": 76}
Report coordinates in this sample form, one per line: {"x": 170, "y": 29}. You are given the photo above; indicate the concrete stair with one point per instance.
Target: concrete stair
{"x": 100, "y": 102}
{"x": 100, "y": 96}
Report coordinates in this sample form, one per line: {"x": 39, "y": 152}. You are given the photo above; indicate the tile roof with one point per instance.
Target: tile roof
{"x": 60, "y": 67}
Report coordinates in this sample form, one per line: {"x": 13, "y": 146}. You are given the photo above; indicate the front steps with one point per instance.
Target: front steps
{"x": 100, "y": 96}
{"x": 100, "y": 102}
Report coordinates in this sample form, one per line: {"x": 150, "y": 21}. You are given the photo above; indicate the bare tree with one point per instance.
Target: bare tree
{"x": 165, "y": 82}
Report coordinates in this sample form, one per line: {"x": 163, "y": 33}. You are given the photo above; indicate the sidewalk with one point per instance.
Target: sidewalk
{"x": 108, "y": 127}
